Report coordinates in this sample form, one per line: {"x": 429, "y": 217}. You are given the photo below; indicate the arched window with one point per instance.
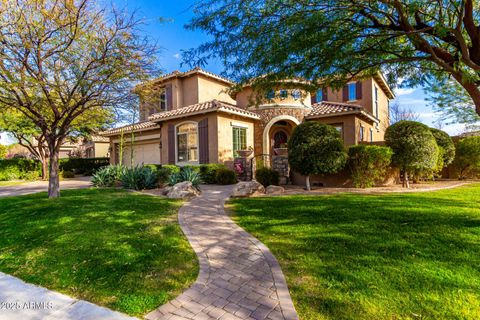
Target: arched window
{"x": 280, "y": 139}
{"x": 187, "y": 143}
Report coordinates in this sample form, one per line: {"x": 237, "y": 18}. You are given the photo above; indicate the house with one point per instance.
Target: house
{"x": 194, "y": 117}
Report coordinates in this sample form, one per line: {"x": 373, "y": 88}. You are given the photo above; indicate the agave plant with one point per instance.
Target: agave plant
{"x": 108, "y": 176}
{"x": 186, "y": 174}
{"x": 139, "y": 178}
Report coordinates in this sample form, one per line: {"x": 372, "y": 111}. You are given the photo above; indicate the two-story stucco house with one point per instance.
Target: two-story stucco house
{"x": 194, "y": 117}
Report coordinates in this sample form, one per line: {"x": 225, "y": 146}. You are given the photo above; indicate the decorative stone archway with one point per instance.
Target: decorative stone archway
{"x": 268, "y": 127}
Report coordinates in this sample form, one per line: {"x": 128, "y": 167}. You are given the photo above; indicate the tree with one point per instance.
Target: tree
{"x": 468, "y": 156}
{"x": 3, "y": 151}
{"x": 445, "y": 142}
{"x": 414, "y": 148}
{"x": 331, "y": 41}
{"x": 64, "y": 59}
{"x": 398, "y": 113}
{"x": 315, "y": 148}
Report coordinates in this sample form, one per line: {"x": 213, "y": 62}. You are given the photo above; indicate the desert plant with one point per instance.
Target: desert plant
{"x": 315, "y": 148}
{"x": 467, "y": 159}
{"x": 139, "y": 178}
{"x": 414, "y": 148}
{"x": 267, "y": 176}
{"x": 368, "y": 164}
{"x": 225, "y": 176}
{"x": 186, "y": 174}
{"x": 108, "y": 176}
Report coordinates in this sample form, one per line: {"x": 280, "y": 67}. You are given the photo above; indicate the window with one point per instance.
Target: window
{"x": 239, "y": 140}
{"x": 362, "y": 133}
{"x": 187, "y": 143}
{"x": 321, "y": 95}
{"x": 280, "y": 139}
{"x": 163, "y": 100}
{"x": 283, "y": 94}
{"x": 339, "y": 128}
{"x": 296, "y": 94}
{"x": 371, "y": 135}
{"x": 376, "y": 102}
{"x": 270, "y": 94}
{"x": 352, "y": 91}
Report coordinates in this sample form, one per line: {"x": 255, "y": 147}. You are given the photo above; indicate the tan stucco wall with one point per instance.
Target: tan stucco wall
{"x": 212, "y": 89}
{"x": 225, "y": 134}
{"x": 101, "y": 149}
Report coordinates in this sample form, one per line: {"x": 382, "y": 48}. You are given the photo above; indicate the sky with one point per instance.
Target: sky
{"x": 172, "y": 38}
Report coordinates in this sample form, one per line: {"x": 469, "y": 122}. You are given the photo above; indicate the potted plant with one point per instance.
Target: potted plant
{"x": 245, "y": 153}
{"x": 282, "y": 150}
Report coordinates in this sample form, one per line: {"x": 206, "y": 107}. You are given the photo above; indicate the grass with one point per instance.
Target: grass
{"x": 395, "y": 256}
{"x": 114, "y": 248}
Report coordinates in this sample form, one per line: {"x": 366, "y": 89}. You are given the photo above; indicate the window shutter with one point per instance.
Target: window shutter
{"x": 358, "y": 90}
{"x": 203, "y": 141}
{"x": 169, "y": 96}
{"x": 345, "y": 93}
{"x": 313, "y": 99}
{"x": 171, "y": 144}
{"x": 325, "y": 94}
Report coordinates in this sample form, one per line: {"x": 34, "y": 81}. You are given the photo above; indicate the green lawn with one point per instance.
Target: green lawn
{"x": 395, "y": 256}
{"x": 119, "y": 249}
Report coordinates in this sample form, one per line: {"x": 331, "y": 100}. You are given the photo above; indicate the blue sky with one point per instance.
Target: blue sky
{"x": 172, "y": 37}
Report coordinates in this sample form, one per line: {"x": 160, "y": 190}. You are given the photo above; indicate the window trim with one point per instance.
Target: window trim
{"x": 165, "y": 99}
{"x": 296, "y": 94}
{"x": 186, "y": 163}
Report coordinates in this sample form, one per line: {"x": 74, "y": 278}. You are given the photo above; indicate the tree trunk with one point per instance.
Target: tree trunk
{"x": 405, "y": 180}
{"x": 307, "y": 182}
{"x": 44, "y": 168}
{"x": 53, "y": 181}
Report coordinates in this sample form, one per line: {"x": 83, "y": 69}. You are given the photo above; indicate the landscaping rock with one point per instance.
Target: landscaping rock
{"x": 183, "y": 190}
{"x": 274, "y": 190}
{"x": 247, "y": 189}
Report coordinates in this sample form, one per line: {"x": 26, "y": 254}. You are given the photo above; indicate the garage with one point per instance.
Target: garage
{"x": 143, "y": 153}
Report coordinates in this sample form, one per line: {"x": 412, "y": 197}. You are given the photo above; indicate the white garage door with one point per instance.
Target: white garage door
{"x": 142, "y": 154}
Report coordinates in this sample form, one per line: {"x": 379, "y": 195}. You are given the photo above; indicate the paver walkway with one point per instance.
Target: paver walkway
{"x": 23, "y": 301}
{"x": 239, "y": 277}
{"x": 39, "y": 186}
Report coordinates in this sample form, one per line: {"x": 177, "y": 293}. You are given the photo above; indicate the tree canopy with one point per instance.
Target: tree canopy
{"x": 445, "y": 142}
{"x": 64, "y": 60}
{"x": 467, "y": 159}
{"x": 331, "y": 41}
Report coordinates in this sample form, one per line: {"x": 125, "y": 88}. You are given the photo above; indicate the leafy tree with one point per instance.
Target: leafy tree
{"x": 445, "y": 142}
{"x": 61, "y": 60}
{"x": 3, "y": 151}
{"x": 467, "y": 157}
{"x": 368, "y": 164}
{"x": 331, "y": 41}
{"x": 414, "y": 147}
{"x": 315, "y": 148}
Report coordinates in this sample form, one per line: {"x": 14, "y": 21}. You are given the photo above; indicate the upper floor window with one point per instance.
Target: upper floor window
{"x": 163, "y": 100}
{"x": 296, "y": 94}
{"x": 376, "y": 102}
{"x": 321, "y": 95}
{"x": 187, "y": 143}
{"x": 270, "y": 94}
{"x": 283, "y": 94}
{"x": 352, "y": 91}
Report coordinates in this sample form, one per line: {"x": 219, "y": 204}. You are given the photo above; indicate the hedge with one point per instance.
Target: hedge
{"x": 368, "y": 164}
{"x": 86, "y": 166}
{"x": 13, "y": 169}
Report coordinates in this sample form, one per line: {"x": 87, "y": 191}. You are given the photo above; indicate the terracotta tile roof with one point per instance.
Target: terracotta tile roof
{"x": 139, "y": 126}
{"x": 199, "y": 108}
{"x": 328, "y": 109}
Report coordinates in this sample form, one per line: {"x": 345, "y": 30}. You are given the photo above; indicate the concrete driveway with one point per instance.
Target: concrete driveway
{"x": 40, "y": 186}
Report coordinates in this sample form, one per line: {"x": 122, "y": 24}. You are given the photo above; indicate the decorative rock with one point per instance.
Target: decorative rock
{"x": 274, "y": 190}
{"x": 183, "y": 190}
{"x": 247, "y": 189}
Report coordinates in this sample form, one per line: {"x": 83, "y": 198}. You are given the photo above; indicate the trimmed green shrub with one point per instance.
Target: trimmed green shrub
{"x": 316, "y": 148}
{"x": 267, "y": 176}
{"x": 467, "y": 160}
{"x": 68, "y": 174}
{"x": 164, "y": 172}
{"x": 368, "y": 164}
{"x": 83, "y": 165}
{"x": 108, "y": 176}
{"x": 445, "y": 142}
{"x": 415, "y": 150}
{"x": 3, "y": 151}
{"x": 173, "y": 168}
{"x": 139, "y": 178}
{"x": 186, "y": 174}
{"x": 209, "y": 172}
{"x": 31, "y": 175}
{"x": 225, "y": 176}
{"x": 13, "y": 169}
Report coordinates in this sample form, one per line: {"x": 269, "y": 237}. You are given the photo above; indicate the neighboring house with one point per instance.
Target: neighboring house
{"x": 96, "y": 147}
{"x": 194, "y": 117}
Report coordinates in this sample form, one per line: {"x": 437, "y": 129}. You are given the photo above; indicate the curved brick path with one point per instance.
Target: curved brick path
{"x": 239, "y": 277}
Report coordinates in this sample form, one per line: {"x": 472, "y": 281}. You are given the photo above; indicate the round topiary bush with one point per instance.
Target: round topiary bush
{"x": 315, "y": 148}
{"x": 368, "y": 164}
{"x": 445, "y": 142}
{"x": 467, "y": 160}
{"x": 414, "y": 147}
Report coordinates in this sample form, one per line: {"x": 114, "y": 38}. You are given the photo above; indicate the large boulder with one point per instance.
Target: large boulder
{"x": 247, "y": 189}
{"x": 271, "y": 189}
{"x": 183, "y": 190}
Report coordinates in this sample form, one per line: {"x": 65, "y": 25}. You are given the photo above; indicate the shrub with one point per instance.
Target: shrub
{"x": 164, "y": 173}
{"x": 209, "y": 172}
{"x": 267, "y": 176}
{"x": 139, "y": 178}
{"x": 186, "y": 174}
{"x": 467, "y": 160}
{"x": 12, "y": 169}
{"x": 315, "y": 148}
{"x": 414, "y": 147}
{"x": 3, "y": 151}
{"x": 225, "y": 176}
{"x": 108, "y": 176}
{"x": 368, "y": 164}
{"x": 445, "y": 142}
{"x": 68, "y": 174}
{"x": 83, "y": 165}
{"x": 31, "y": 175}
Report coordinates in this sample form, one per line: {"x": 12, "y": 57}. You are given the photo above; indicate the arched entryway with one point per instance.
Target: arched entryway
{"x": 277, "y": 132}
